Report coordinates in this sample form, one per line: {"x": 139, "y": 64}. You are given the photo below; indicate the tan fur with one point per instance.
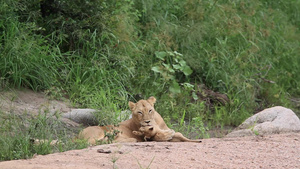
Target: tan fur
{"x": 156, "y": 134}
{"x": 143, "y": 114}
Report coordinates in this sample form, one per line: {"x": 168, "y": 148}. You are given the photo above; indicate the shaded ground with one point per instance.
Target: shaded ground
{"x": 28, "y": 104}
{"x": 20, "y": 101}
{"x": 274, "y": 151}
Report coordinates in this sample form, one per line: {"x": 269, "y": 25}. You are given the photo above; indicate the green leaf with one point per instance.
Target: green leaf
{"x": 156, "y": 69}
{"x": 171, "y": 53}
{"x": 182, "y": 63}
{"x": 188, "y": 85}
{"x": 187, "y": 70}
{"x": 177, "y": 67}
{"x": 161, "y": 55}
{"x": 194, "y": 95}
{"x": 176, "y": 53}
{"x": 169, "y": 68}
{"x": 182, "y": 119}
{"x": 175, "y": 88}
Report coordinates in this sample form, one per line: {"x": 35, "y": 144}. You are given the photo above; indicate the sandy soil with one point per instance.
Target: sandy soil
{"x": 21, "y": 101}
{"x": 273, "y": 151}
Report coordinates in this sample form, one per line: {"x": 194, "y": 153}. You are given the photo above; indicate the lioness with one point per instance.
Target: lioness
{"x": 154, "y": 133}
{"x": 143, "y": 114}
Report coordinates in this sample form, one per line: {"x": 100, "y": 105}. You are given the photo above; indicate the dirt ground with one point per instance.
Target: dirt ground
{"x": 21, "y": 101}
{"x": 273, "y": 151}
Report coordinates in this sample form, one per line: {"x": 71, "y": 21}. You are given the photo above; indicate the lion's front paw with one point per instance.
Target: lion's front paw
{"x": 137, "y": 133}
{"x": 170, "y": 134}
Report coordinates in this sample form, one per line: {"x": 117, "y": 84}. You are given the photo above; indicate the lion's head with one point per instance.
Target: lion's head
{"x": 154, "y": 133}
{"x": 143, "y": 111}
{"x": 148, "y": 131}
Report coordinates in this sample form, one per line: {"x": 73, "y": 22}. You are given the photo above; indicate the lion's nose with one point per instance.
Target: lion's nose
{"x": 147, "y": 121}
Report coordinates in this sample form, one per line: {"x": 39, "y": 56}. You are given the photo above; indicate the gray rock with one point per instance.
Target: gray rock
{"x": 88, "y": 117}
{"x": 82, "y": 116}
{"x": 273, "y": 120}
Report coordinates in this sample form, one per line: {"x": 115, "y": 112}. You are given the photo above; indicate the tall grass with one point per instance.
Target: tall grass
{"x": 25, "y": 60}
{"x": 18, "y": 133}
{"x": 246, "y": 50}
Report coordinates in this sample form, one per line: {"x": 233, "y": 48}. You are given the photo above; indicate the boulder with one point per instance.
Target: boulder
{"x": 273, "y": 120}
{"x": 88, "y": 117}
{"x": 82, "y": 116}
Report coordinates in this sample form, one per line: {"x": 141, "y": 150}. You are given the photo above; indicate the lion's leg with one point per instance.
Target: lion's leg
{"x": 92, "y": 134}
{"x": 164, "y": 135}
{"x": 178, "y": 137}
{"x": 125, "y": 140}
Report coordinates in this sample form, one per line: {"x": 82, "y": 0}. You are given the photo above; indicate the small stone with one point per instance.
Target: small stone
{"x": 103, "y": 151}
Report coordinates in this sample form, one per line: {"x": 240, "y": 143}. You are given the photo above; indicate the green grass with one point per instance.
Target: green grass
{"x": 18, "y": 133}
{"x": 101, "y": 54}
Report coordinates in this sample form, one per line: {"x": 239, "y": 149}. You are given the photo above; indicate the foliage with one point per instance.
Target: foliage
{"x": 18, "y": 133}
{"x": 170, "y": 66}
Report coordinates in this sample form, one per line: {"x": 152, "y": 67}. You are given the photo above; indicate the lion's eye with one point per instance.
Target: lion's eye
{"x": 140, "y": 112}
{"x": 150, "y": 111}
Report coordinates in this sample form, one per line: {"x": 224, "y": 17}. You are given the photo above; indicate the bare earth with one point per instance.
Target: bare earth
{"x": 273, "y": 151}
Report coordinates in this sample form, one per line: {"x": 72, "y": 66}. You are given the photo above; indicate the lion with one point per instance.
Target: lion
{"x": 154, "y": 133}
{"x": 143, "y": 114}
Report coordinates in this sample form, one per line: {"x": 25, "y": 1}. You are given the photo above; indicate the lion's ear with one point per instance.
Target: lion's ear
{"x": 131, "y": 105}
{"x": 152, "y": 100}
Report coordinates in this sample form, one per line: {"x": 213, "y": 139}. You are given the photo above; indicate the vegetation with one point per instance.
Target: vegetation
{"x": 19, "y": 134}
{"x": 100, "y": 54}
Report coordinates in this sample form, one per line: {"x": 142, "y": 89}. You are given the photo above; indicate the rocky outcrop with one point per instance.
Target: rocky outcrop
{"x": 273, "y": 120}
{"x": 82, "y": 116}
{"x": 88, "y": 116}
